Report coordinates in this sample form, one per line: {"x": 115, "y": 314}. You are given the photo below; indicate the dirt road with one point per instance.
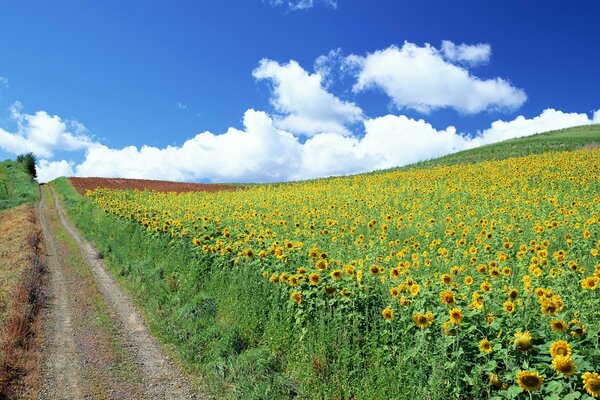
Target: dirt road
{"x": 96, "y": 343}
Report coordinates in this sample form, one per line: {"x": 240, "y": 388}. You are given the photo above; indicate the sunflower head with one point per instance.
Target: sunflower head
{"x": 560, "y": 348}
{"x": 591, "y": 383}
{"x": 558, "y": 325}
{"x": 387, "y": 313}
{"x": 296, "y": 297}
{"x": 529, "y": 380}
{"x": 523, "y": 341}
{"x": 564, "y": 365}
{"x": 447, "y": 297}
{"x": 423, "y": 320}
{"x": 456, "y": 316}
{"x": 314, "y": 279}
{"x": 485, "y": 346}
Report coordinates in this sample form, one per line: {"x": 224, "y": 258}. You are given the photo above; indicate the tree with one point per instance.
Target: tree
{"x": 28, "y": 161}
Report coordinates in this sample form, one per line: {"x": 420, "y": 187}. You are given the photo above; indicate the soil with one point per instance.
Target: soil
{"x": 97, "y": 345}
{"x": 83, "y": 184}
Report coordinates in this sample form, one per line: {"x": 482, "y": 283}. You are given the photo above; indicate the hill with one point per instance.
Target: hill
{"x": 586, "y": 136}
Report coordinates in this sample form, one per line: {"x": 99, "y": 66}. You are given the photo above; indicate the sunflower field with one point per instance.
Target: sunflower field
{"x": 467, "y": 281}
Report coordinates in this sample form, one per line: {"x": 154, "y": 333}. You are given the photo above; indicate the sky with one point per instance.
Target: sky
{"x": 279, "y": 90}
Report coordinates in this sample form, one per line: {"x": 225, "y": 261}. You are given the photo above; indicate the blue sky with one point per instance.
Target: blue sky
{"x": 124, "y": 88}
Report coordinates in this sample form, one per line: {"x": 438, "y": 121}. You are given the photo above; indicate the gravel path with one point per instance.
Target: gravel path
{"x": 158, "y": 376}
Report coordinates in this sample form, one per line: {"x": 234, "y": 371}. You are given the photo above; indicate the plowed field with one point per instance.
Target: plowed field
{"x": 83, "y": 184}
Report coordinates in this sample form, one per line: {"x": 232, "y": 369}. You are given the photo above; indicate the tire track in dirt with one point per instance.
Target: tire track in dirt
{"x": 160, "y": 379}
{"x": 62, "y": 365}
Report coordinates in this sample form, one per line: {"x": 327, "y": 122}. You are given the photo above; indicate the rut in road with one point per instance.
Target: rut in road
{"x": 77, "y": 364}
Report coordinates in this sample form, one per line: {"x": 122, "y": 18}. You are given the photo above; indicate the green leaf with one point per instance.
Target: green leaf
{"x": 572, "y": 396}
{"x": 513, "y": 392}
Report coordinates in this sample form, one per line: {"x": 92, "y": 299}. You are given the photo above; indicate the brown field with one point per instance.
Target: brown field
{"x": 83, "y": 184}
{"x": 21, "y": 269}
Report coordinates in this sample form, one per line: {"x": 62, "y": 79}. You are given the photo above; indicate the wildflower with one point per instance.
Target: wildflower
{"x": 336, "y": 274}
{"x": 456, "y": 316}
{"x": 447, "y": 297}
{"x": 314, "y": 279}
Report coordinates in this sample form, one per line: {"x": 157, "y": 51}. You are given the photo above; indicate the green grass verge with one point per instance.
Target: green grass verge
{"x": 16, "y": 185}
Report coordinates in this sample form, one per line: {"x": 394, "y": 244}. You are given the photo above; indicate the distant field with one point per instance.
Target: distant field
{"x": 83, "y": 184}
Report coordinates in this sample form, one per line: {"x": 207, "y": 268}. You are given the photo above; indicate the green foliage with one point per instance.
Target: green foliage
{"x": 16, "y": 185}
{"x": 28, "y": 160}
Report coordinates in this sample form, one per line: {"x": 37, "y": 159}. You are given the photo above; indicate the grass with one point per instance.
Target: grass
{"x": 16, "y": 185}
{"x": 241, "y": 335}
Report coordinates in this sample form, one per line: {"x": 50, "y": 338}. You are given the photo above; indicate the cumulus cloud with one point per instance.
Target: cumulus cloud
{"x": 3, "y": 82}
{"x": 49, "y": 170}
{"x": 420, "y": 78}
{"x": 262, "y": 152}
{"x": 305, "y": 107}
{"x": 470, "y": 54}
{"x": 42, "y": 134}
{"x": 296, "y": 5}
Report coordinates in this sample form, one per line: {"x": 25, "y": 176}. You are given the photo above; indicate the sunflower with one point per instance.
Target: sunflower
{"x": 394, "y": 292}
{"x": 349, "y": 269}
{"x": 590, "y": 283}
{"x": 578, "y": 329}
{"x": 560, "y": 348}
{"x": 591, "y": 383}
{"x": 293, "y": 281}
{"x": 387, "y": 313}
{"x": 447, "y": 297}
{"x": 468, "y": 280}
{"x": 509, "y": 307}
{"x": 495, "y": 381}
{"x": 558, "y": 325}
{"x": 485, "y": 286}
{"x": 321, "y": 265}
{"x": 449, "y": 328}
{"x": 446, "y": 279}
{"x": 336, "y": 274}
{"x": 485, "y": 346}
{"x": 314, "y": 279}
{"x": 456, "y": 316}
{"x": 564, "y": 365}
{"x": 423, "y": 320}
{"x": 523, "y": 341}
{"x": 374, "y": 269}
{"x": 513, "y": 294}
{"x": 414, "y": 289}
{"x": 296, "y": 297}
{"x": 529, "y": 380}
{"x": 395, "y": 273}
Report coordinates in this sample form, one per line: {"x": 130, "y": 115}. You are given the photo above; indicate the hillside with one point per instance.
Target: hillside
{"x": 558, "y": 140}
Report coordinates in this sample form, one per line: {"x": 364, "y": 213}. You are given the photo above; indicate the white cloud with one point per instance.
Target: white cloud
{"x": 419, "y": 78}
{"x": 3, "y": 82}
{"x": 182, "y": 106}
{"x": 304, "y": 104}
{"x": 474, "y": 54}
{"x": 49, "y": 170}
{"x": 42, "y": 134}
{"x": 596, "y": 117}
{"x": 296, "y": 5}
{"x": 261, "y": 152}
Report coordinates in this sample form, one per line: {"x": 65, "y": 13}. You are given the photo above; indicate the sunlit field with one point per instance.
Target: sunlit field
{"x": 465, "y": 281}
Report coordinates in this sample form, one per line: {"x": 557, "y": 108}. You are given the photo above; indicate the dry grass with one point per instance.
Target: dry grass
{"x": 21, "y": 278}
